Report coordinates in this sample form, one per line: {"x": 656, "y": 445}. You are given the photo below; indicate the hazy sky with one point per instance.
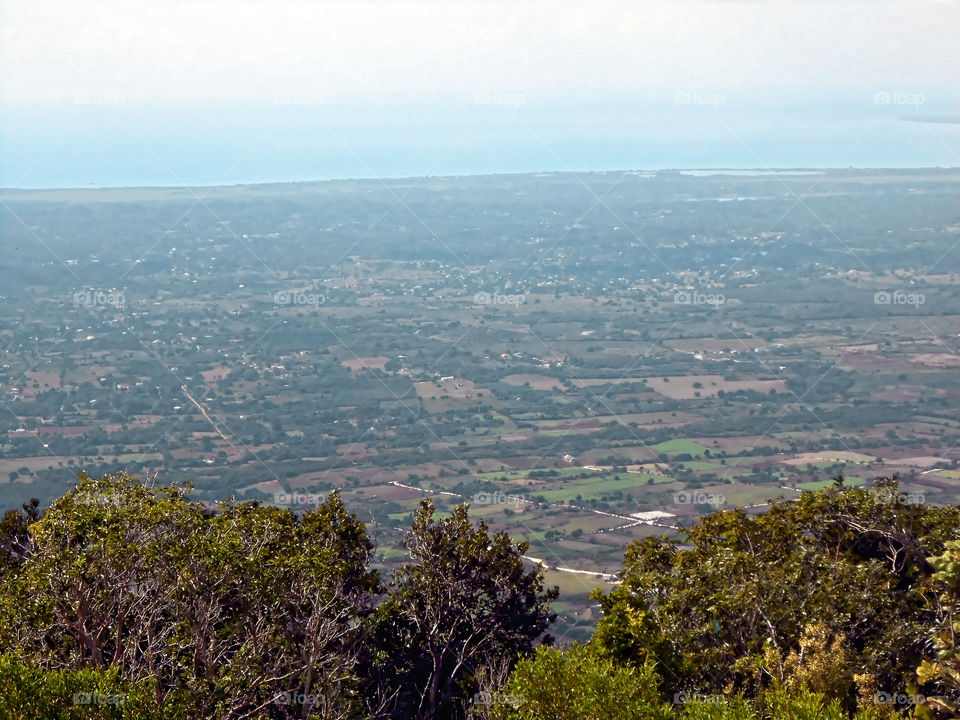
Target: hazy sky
{"x": 171, "y": 50}
{"x": 78, "y": 77}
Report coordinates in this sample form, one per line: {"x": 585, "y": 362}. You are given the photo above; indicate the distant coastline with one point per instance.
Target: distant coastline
{"x": 143, "y": 192}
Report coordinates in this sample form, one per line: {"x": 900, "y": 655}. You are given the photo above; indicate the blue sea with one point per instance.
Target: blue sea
{"x": 109, "y": 142}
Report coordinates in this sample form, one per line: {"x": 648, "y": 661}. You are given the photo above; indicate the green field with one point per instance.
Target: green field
{"x": 679, "y": 447}
{"x": 596, "y": 487}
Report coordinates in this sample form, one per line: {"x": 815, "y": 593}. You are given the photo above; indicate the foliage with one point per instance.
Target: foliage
{"x": 31, "y": 694}
{"x": 249, "y": 611}
{"x": 822, "y": 663}
{"x": 576, "y": 684}
{"x": 742, "y": 601}
{"x": 15, "y": 542}
{"x": 466, "y": 601}
{"x": 943, "y": 671}
{"x": 579, "y": 683}
{"x": 820, "y": 608}
{"x": 233, "y": 613}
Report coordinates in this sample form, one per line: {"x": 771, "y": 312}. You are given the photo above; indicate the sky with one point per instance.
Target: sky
{"x": 199, "y": 92}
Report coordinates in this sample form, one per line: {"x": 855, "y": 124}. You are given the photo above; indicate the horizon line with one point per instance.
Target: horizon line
{"x": 398, "y": 178}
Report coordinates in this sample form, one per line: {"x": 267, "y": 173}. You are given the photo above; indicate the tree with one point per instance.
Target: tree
{"x": 852, "y": 561}
{"x": 943, "y": 672}
{"x": 576, "y": 684}
{"x": 467, "y": 602}
{"x": 240, "y": 612}
{"x": 15, "y": 544}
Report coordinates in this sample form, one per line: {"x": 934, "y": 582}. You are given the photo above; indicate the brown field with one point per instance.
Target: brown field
{"x": 377, "y": 362}
{"x": 935, "y": 360}
{"x": 354, "y": 451}
{"x": 870, "y": 361}
{"x": 43, "y": 379}
{"x": 88, "y": 373}
{"x": 268, "y": 486}
{"x": 923, "y": 461}
{"x": 217, "y": 373}
{"x": 681, "y": 387}
{"x": 537, "y": 382}
{"x": 829, "y": 456}
{"x": 44, "y": 462}
{"x": 897, "y": 396}
{"x": 367, "y": 476}
{"x": 392, "y": 492}
{"x": 589, "y": 522}
{"x": 440, "y": 396}
{"x": 643, "y": 420}
{"x": 585, "y": 424}
{"x": 31, "y": 463}
{"x": 137, "y": 420}
{"x": 64, "y": 430}
{"x": 866, "y": 347}
{"x": 593, "y": 382}
{"x": 714, "y": 345}
{"x": 822, "y": 341}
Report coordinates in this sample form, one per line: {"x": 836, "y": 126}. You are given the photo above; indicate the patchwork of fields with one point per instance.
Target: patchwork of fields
{"x": 608, "y": 405}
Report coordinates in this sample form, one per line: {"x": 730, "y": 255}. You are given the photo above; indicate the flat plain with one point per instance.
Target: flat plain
{"x": 562, "y": 364}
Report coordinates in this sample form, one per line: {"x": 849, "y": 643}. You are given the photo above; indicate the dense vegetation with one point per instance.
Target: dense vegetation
{"x": 249, "y": 611}
{"x": 126, "y": 600}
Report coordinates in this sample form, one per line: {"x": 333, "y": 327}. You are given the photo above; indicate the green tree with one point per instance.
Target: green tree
{"x": 15, "y": 542}
{"x": 466, "y": 602}
{"x": 942, "y": 673}
{"x": 28, "y": 693}
{"x": 709, "y": 608}
{"x": 575, "y": 684}
{"x": 245, "y": 611}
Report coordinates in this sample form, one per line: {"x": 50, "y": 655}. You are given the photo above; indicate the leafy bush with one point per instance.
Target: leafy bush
{"x": 578, "y": 684}
{"x": 28, "y": 693}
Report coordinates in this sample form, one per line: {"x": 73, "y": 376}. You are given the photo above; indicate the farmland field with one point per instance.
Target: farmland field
{"x": 556, "y": 370}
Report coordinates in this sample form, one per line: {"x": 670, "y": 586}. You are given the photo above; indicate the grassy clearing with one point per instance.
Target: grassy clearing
{"x": 679, "y": 447}
{"x": 594, "y": 487}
